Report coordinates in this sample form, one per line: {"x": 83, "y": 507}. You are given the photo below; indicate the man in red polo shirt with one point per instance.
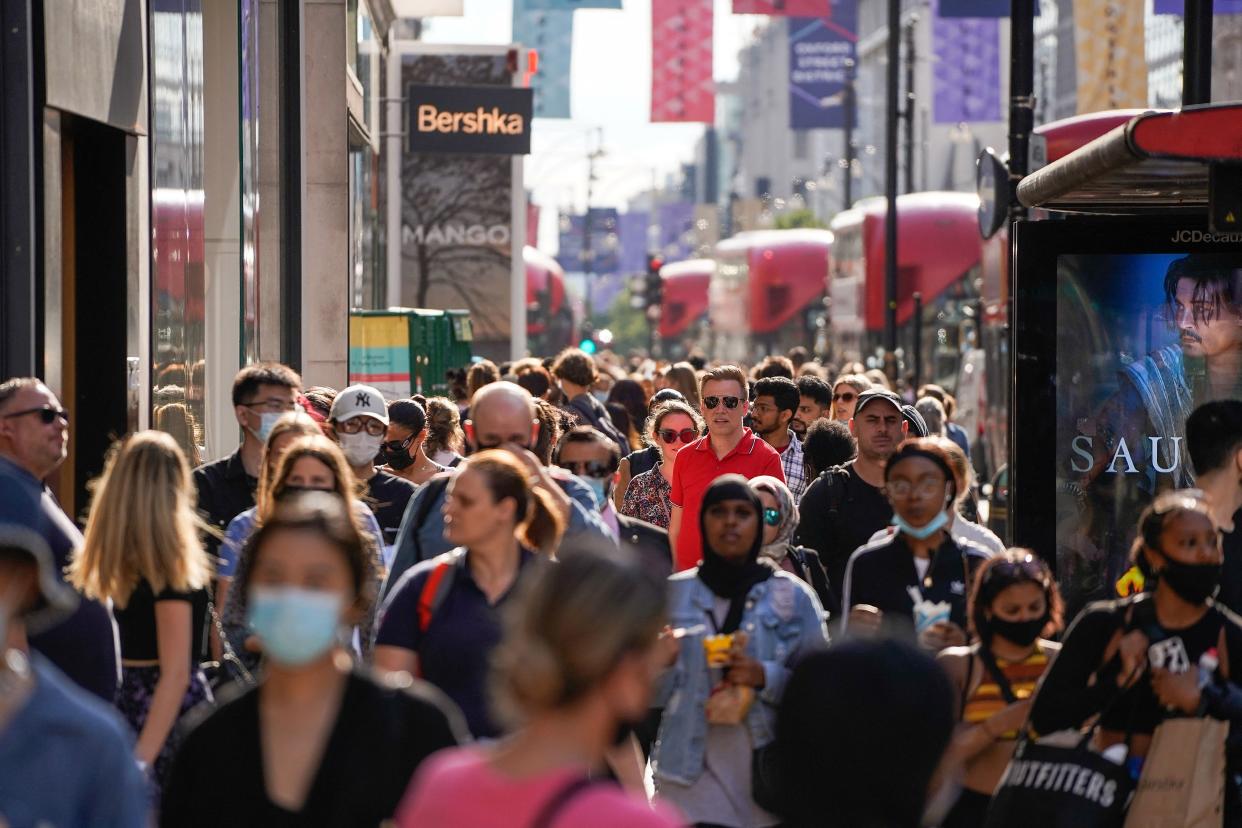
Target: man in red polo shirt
{"x": 728, "y": 448}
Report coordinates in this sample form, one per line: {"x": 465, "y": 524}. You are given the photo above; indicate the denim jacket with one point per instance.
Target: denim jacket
{"x": 784, "y": 622}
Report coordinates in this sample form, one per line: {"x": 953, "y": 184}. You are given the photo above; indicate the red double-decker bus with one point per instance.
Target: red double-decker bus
{"x": 549, "y": 318}
{"x": 766, "y": 294}
{"x": 683, "y": 303}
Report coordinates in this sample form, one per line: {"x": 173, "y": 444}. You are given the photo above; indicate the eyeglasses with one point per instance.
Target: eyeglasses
{"x": 589, "y": 468}
{"x": 772, "y": 517}
{"x": 670, "y": 436}
{"x": 272, "y": 406}
{"x": 47, "y": 414}
{"x": 924, "y": 488}
{"x": 729, "y": 402}
{"x": 848, "y": 396}
{"x": 354, "y": 425}
{"x": 394, "y": 446}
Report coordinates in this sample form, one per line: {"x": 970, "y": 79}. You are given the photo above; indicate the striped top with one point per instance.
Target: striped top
{"x": 987, "y": 700}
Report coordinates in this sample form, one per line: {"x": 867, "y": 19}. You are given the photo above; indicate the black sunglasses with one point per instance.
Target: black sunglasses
{"x": 47, "y": 414}
{"x": 729, "y": 402}
{"x": 589, "y": 468}
{"x": 670, "y": 436}
{"x": 393, "y": 446}
{"x": 846, "y": 397}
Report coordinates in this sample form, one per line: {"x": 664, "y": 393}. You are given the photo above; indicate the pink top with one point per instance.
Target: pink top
{"x": 459, "y": 787}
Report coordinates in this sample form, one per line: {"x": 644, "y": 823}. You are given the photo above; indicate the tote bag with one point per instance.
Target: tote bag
{"x": 1183, "y": 779}
{"x": 1047, "y": 786}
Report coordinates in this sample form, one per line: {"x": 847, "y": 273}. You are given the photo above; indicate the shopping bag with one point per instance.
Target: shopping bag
{"x": 1183, "y": 779}
{"x": 1051, "y": 786}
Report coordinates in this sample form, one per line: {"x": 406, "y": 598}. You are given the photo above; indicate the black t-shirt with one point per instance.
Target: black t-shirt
{"x": 835, "y": 523}
{"x": 135, "y": 623}
{"x": 380, "y": 737}
{"x": 388, "y": 496}
{"x": 455, "y": 652}
{"x": 1068, "y": 697}
{"x": 224, "y": 492}
{"x": 1231, "y": 578}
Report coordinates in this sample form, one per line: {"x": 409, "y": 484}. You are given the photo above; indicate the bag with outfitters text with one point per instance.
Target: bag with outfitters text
{"x": 1047, "y": 786}
{"x": 1183, "y": 779}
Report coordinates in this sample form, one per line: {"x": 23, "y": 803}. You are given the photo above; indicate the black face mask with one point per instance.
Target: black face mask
{"x": 1022, "y": 633}
{"x": 1194, "y": 583}
{"x": 398, "y": 459}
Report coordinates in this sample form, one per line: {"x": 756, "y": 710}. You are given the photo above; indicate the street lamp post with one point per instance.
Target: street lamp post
{"x": 890, "y": 176}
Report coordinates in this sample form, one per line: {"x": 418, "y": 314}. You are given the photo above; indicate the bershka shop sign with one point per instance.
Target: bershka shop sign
{"x": 488, "y": 120}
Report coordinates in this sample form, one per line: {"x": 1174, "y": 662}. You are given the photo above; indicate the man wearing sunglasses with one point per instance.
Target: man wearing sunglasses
{"x": 588, "y": 453}
{"x": 728, "y": 448}
{"x": 359, "y": 418}
{"x": 34, "y": 439}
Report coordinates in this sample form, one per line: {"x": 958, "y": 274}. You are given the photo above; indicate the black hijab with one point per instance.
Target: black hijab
{"x": 728, "y": 580}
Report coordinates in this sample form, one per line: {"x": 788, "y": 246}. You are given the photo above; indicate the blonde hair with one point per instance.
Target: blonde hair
{"x": 570, "y": 629}
{"x": 142, "y": 525}
{"x": 294, "y": 422}
{"x": 681, "y": 377}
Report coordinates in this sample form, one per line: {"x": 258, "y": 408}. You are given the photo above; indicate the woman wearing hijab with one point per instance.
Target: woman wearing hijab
{"x": 741, "y": 624}
{"x": 780, "y": 521}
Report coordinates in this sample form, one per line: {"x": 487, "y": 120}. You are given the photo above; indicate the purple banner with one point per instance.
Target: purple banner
{"x": 603, "y": 241}
{"x": 632, "y": 235}
{"x": 967, "y": 72}
{"x": 676, "y": 230}
{"x": 820, "y": 52}
{"x": 1179, "y": 7}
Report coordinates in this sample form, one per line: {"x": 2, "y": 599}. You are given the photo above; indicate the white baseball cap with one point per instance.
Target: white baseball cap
{"x": 359, "y": 400}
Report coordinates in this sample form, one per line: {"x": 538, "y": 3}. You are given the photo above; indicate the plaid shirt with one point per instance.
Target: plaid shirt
{"x": 795, "y": 471}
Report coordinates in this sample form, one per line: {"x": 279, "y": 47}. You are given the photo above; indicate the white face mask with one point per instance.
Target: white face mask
{"x": 360, "y": 449}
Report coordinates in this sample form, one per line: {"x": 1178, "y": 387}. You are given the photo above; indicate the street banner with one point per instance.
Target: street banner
{"x": 676, "y": 230}
{"x": 820, "y": 52}
{"x": 681, "y": 62}
{"x": 570, "y": 5}
{"x": 966, "y": 72}
{"x": 632, "y": 237}
{"x": 784, "y": 8}
{"x": 379, "y": 353}
{"x": 550, "y": 32}
{"x": 977, "y": 8}
{"x": 604, "y": 253}
{"x": 457, "y": 208}
{"x": 1178, "y": 7}
{"x": 1111, "y": 52}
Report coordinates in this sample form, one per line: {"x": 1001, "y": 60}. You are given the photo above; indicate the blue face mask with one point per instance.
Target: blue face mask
{"x": 296, "y": 626}
{"x": 921, "y": 532}
{"x": 599, "y": 485}
{"x": 267, "y": 421}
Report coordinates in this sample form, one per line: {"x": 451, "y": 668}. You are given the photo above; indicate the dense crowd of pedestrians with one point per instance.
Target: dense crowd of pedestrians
{"x": 578, "y": 595}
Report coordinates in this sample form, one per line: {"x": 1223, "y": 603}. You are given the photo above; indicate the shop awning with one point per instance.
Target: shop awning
{"x": 1154, "y": 162}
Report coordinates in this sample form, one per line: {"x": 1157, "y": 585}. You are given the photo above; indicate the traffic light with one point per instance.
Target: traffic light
{"x": 588, "y": 343}
{"x": 653, "y": 292}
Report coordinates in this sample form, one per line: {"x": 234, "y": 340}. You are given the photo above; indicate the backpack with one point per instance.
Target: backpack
{"x": 437, "y": 586}
{"x": 836, "y": 480}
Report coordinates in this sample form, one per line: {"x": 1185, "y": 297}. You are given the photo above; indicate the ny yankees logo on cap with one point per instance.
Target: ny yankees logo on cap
{"x": 362, "y": 399}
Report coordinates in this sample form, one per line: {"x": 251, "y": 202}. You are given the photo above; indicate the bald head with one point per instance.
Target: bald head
{"x": 502, "y": 412}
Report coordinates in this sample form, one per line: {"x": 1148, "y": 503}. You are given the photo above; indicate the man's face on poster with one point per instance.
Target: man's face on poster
{"x": 1206, "y": 325}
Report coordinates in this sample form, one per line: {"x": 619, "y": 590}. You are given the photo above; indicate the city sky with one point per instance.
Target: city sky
{"x": 611, "y": 89}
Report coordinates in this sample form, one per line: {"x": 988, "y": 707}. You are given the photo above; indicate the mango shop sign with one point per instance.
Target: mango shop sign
{"x": 484, "y": 120}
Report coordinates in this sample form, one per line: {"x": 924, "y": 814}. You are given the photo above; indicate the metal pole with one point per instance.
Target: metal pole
{"x": 917, "y": 350}
{"x": 392, "y": 170}
{"x": 588, "y": 262}
{"x": 890, "y": 176}
{"x": 1021, "y": 97}
{"x": 909, "y": 112}
{"x": 849, "y": 134}
{"x": 1197, "y": 53}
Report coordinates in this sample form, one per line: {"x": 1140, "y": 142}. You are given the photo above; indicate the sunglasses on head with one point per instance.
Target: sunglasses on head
{"x": 848, "y": 396}
{"x": 670, "y": 436}
{"x": 771, "y": 516}
{"x": 589, "y": 468}
{"x": 47, "y": 414}
{"x": 729, "y": 402}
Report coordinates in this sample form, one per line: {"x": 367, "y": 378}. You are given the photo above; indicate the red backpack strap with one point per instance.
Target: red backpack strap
{"x": 436, "y": 587}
